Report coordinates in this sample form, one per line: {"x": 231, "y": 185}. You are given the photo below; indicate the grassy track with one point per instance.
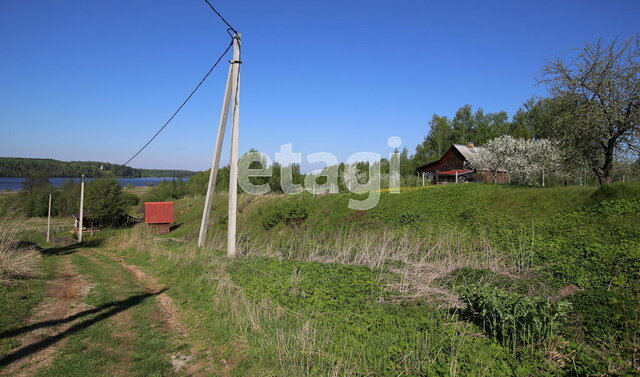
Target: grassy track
{"x": 118, "y": 328}
{"x": 126, "y": 338}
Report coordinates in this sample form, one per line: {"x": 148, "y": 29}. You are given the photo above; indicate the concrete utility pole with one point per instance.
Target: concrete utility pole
{"x": 81, "y": 210}
{"x": 233, "y": 163}
{"x": 49, "y": 220}
{"x": 232, "y": 95}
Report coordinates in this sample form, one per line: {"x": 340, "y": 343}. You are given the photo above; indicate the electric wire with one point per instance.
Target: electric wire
{"x": 183, "y": 103}
{"x": 219, "y": 15}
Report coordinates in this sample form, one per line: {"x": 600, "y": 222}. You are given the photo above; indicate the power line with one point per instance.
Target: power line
{"x": 222, "y": 18}
{"x": 183, "y": 103}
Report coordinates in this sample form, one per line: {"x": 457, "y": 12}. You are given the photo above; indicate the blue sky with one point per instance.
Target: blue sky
{"x": 93, "y": 80}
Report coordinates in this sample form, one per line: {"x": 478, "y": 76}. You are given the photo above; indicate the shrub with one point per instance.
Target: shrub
{"x": 130, "y": 198}
{"x": 104, "y": 201}
{"x": 286, "y": 213}
{"x": 514, "y": 320}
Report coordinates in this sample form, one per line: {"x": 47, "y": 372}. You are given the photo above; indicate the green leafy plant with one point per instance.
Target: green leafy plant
{"x": 286, "y": 213}
{"x": 514, "y": 320}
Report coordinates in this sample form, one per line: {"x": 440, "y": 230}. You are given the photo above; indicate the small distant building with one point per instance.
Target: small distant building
{"x": 158, "y": 216}
{"x": 87, "y": 225}
{"x": 451, "y": 167}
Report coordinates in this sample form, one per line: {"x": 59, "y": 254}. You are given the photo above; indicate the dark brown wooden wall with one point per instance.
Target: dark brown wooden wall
{"x": 449, "y": 161}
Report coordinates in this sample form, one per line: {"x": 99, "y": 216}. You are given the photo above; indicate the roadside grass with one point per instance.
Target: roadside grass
{"x": 274, "y": 317}
{"x": 23, "y": 274}
{"x": 19, "y": 297}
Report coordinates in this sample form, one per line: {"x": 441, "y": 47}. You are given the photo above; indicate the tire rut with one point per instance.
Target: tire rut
{"x": 190, "y": 364}
{"x": 42, "y": 336}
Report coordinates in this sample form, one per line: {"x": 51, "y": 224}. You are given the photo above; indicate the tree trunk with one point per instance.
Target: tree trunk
{"x": 604, "y": 173}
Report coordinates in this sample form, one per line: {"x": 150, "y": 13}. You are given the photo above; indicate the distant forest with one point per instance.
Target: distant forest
{"x": 14, "y": 167}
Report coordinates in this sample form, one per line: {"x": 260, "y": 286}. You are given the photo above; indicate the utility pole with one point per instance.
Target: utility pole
{"x": 231, "y": 96}
{"x": 233, "y": 163}
{"x": 49, "y": 220}
{"x": 81, "y": 210}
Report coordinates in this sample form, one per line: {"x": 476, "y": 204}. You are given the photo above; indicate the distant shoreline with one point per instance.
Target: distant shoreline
{"x": 21, "y": 167}
{"x": 15, "y": 183}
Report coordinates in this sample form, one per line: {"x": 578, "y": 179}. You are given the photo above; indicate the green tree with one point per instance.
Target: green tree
{"x": 437, "y": 141}
{"x": 35, "y": 180}
{"x": 601, "y": 89}
{"x": 33, "y": 199}
{"x": 104, "y": 202}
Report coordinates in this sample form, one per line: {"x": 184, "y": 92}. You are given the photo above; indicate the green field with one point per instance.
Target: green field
{"x": 464, "y": 280}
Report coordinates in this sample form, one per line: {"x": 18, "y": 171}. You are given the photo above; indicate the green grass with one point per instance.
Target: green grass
{"x": 543, "y": 239}
{"x": 98, "y": 349}
{"x": 287, "y": 308}
{"x": 18, "y": 298}
{"x": 294, "y": 318}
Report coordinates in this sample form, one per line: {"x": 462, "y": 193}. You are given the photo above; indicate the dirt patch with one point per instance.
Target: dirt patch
{"x": 566, "y": 291}
{"x": 54, "y": 315}
{"x": 191, "y": 363}
{"x": 165, "y": 303}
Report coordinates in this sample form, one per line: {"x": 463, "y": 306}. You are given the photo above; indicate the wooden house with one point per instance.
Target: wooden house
{"x": 159, "y": 216}
{"x": 452, "y": 168}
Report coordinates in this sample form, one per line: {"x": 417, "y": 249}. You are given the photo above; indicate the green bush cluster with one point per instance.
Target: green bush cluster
{"x": 285, "y": 213}
{"x": 514, "y": 320}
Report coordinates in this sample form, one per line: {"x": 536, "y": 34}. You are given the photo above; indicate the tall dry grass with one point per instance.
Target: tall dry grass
{"x": 419, "y": 260}
{"x": 16, "y": 262}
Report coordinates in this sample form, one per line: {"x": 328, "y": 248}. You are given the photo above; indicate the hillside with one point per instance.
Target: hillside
{"x": 15, "y": 167}
{"x": 451, "y": 246}
{"x": 464, "y": 280}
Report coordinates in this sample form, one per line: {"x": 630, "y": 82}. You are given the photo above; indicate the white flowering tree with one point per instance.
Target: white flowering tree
{"x": 525, "y": 160}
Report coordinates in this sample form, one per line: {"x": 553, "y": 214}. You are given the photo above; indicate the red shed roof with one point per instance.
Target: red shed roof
{"x": 158, "y": 212}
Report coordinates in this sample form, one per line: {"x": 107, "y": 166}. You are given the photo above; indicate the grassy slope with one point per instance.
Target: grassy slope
{"x": 268, "y": 316}
{"x": 549, "y": 237}
{"x": 293, "y": 318}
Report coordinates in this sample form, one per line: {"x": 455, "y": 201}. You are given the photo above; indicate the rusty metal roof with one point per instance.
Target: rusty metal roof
{"x": 158, "y": 212}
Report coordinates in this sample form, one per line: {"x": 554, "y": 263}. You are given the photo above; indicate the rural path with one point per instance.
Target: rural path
{"x": 101, "y": 316}
{"x": 44, "y": 331}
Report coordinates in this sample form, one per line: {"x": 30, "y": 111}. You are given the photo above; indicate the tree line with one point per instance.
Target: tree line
{"x": 105, "y": 201}
{"x": 16, "y": 167}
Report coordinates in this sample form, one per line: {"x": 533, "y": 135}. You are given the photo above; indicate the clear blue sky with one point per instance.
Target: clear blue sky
{"x": 93, "y": 80}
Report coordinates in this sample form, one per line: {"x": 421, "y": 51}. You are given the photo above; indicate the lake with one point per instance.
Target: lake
{"x": 14, "y": 184}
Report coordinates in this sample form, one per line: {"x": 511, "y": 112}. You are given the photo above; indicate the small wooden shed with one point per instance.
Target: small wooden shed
{"x": 159, "y": 216}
